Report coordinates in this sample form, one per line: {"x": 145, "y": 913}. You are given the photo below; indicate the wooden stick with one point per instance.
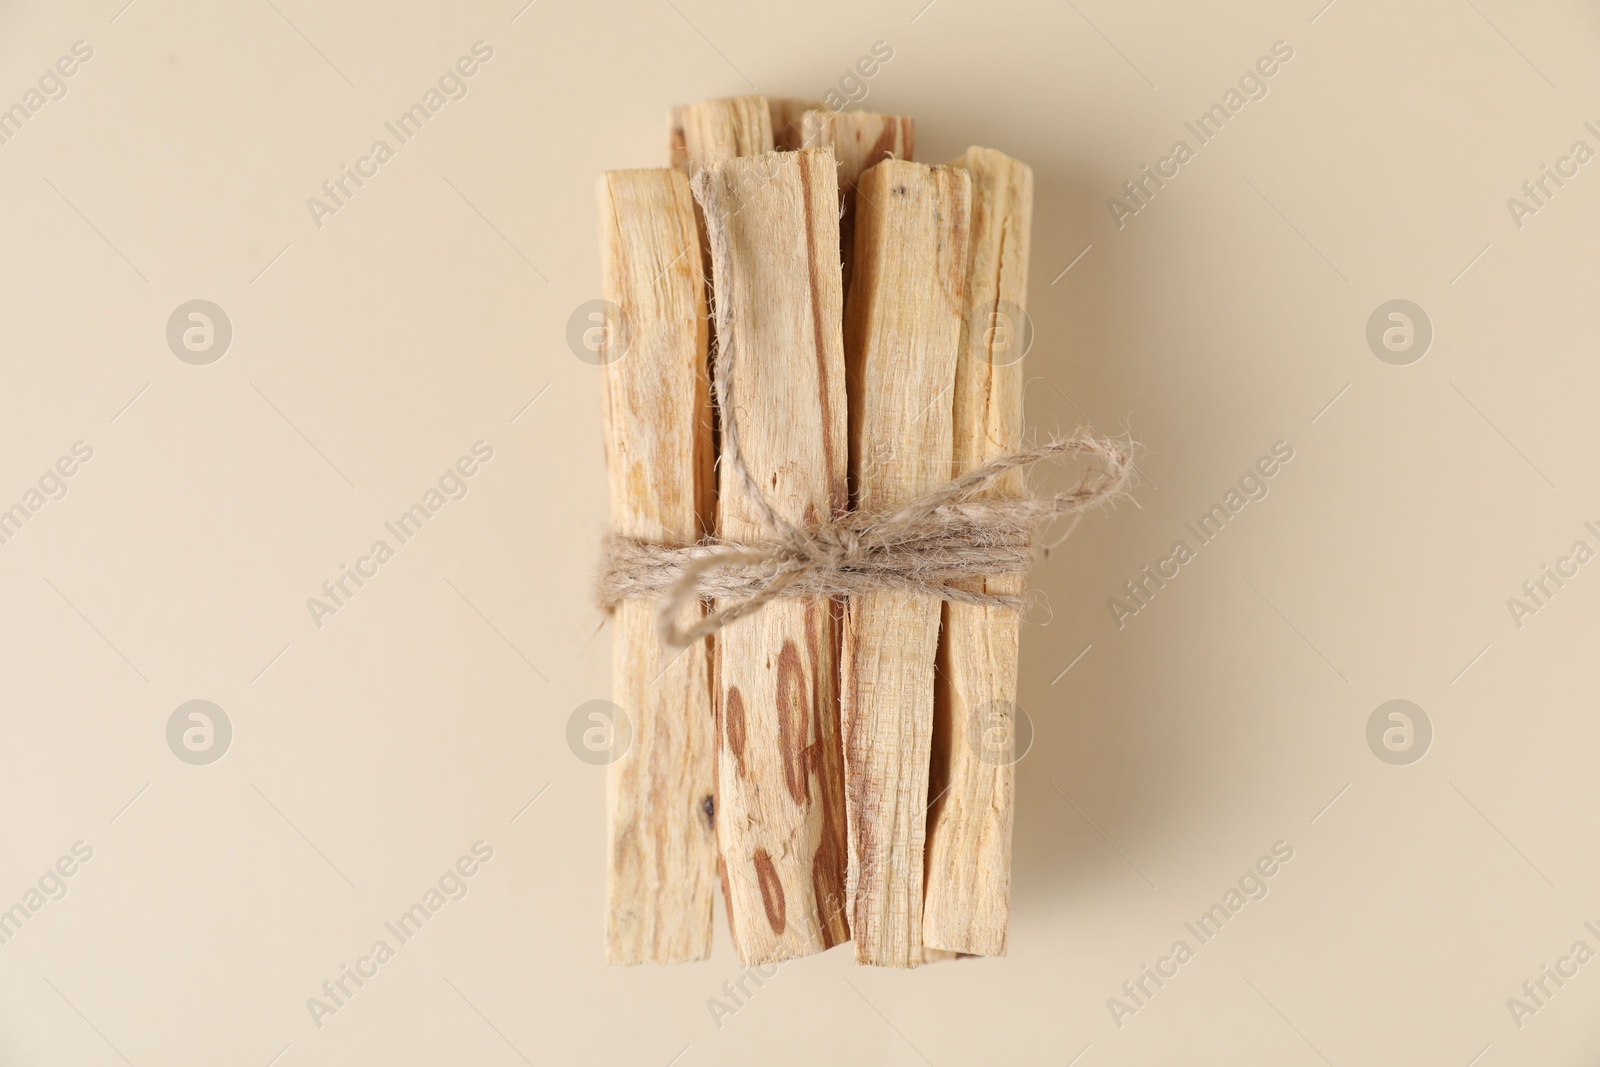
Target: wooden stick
{"x": 718, "y": 130}
{"x": 738, "y": 118}
{"x": 969, "y": 823}
{"x": 661, "y": 862}
{"x": 773, "y": 222}
{"x": 788, "y": 129}
{"x": 859, "y": 140}
{"x": 902, "y": 332}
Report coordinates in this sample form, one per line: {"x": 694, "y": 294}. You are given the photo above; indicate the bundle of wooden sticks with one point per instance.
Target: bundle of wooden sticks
{"x": 840, "y": 765}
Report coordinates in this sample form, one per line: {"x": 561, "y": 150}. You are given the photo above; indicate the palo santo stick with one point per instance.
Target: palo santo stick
{"x": 773, "y": 226}
{"x": 662, "y": 860}
{"x": 902, "y": 331}
{"x": 859, "y": 140}
{"x": 969, "y": 822}
{"x": 783, "y": 116}
{"x": 788, "y": 130}
{"x": 718, "y": 130}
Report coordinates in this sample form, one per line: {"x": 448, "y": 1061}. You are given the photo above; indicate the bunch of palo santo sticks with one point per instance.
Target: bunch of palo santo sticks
{"x": 818, "y": 756}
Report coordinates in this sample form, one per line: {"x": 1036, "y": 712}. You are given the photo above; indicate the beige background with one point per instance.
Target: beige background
{"x": 368, "y": 354}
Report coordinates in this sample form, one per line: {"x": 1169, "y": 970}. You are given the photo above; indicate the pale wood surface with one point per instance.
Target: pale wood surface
{"x": 902, "y": 331}
{"x": 780, "y": 814}
{"x": 714, "y": 131}
{"x": 661, "y": 856}
{"x": 968, "y": 901}
{"x": 718, "y": 130}
{"x": 859, "y": 139}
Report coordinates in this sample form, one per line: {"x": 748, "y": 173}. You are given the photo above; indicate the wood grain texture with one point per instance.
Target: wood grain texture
{"x": 968, "y": 904}
{"x": 719, "y": 130}
{"x": 715, "y": 131}
{"x": 902, "y": 333}
{"x": 859, "y": 139}
{"x": 780, "y": 817}
{"x": 661, "y": 856}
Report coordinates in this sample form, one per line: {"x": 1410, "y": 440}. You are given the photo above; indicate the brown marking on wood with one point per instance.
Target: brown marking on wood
{"x": 955, "y": 232}
{"x": 832, "y": 903}
{"x": 788, "y": 313}
{"x": 727, "y": 899}
{"x": 771, "y": 890}
{"x": 815, "y": 761}
{"x": 733, "y": 725}
{"x": 866, "y": 853}
{"x": 792, "y": 720}
{"x": 825, "y": 758}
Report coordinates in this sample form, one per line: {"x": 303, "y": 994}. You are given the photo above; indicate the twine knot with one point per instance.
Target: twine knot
{"x": 942, "y": 545}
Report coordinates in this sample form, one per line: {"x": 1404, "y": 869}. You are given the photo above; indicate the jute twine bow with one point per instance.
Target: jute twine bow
{"x": 938, "y": 545}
